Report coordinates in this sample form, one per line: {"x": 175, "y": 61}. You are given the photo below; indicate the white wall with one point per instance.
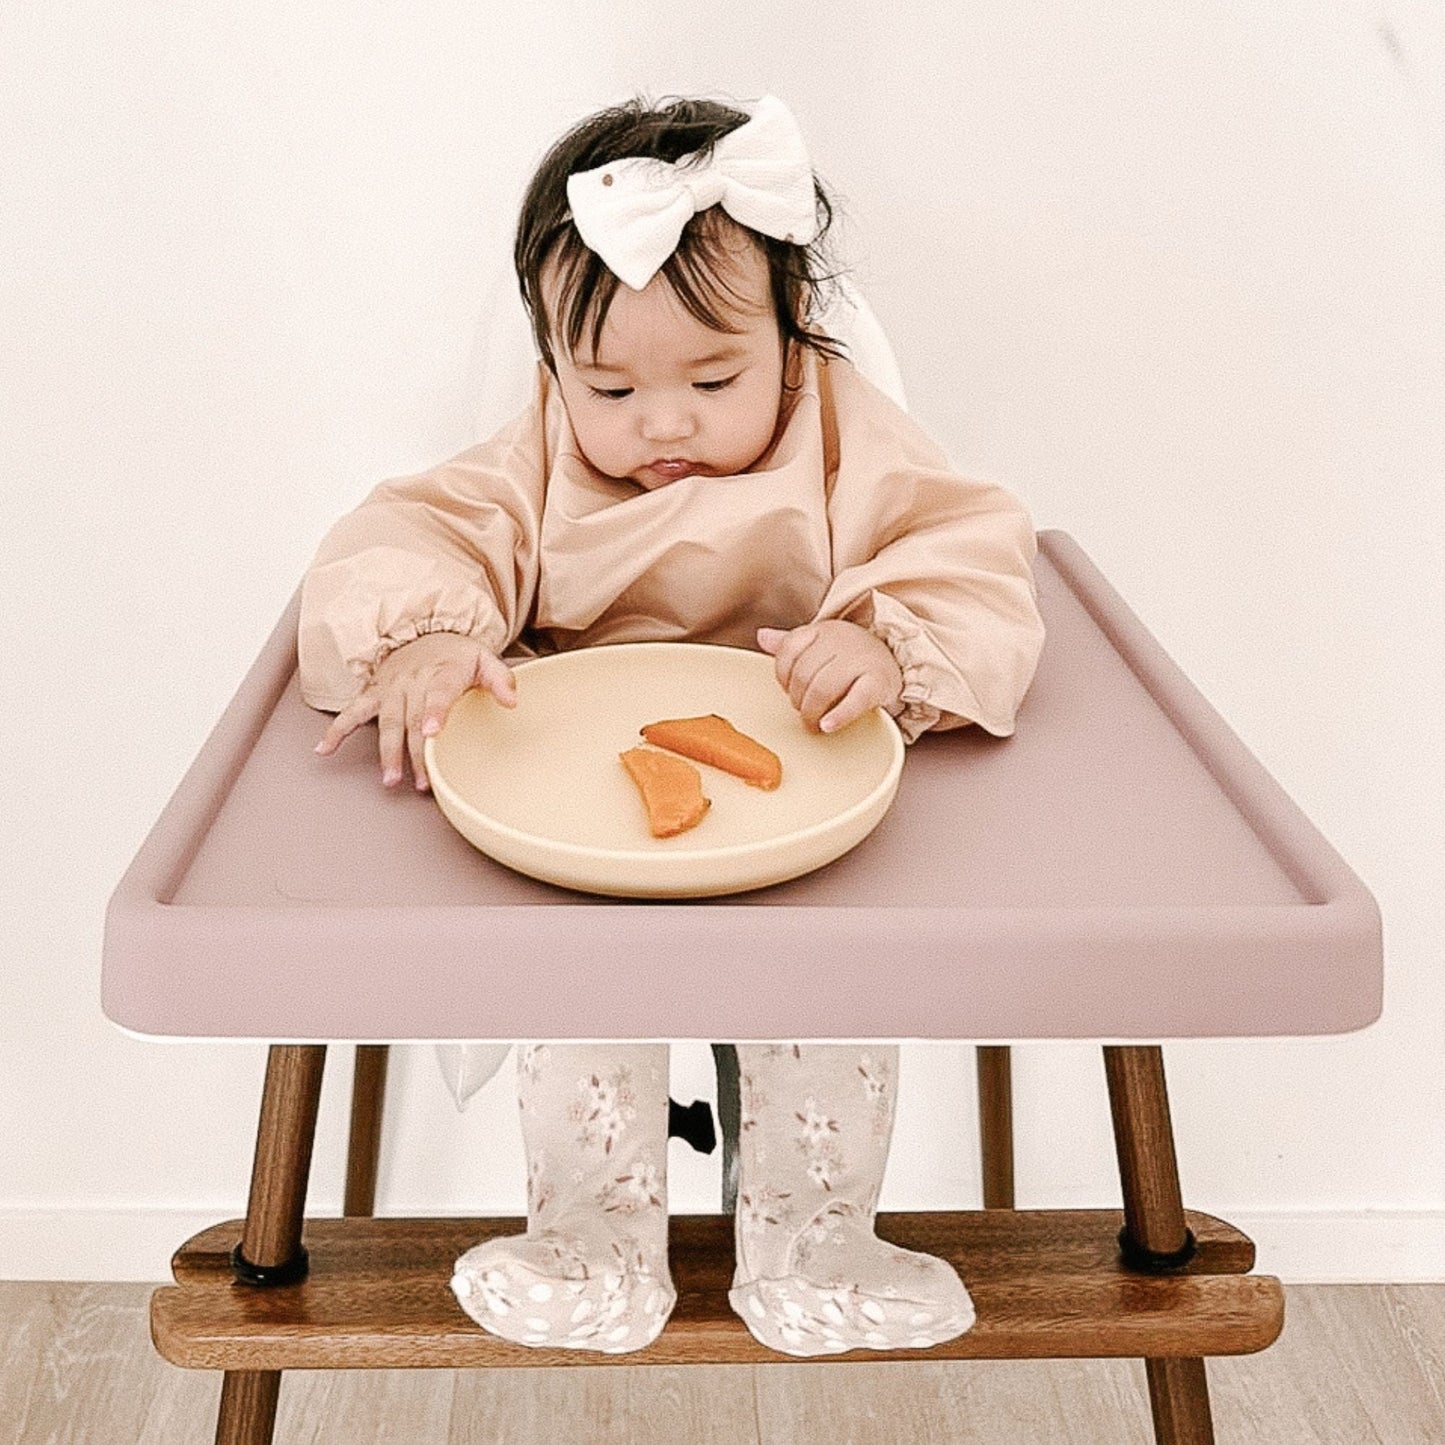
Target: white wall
{"x": 1174, "y": 274}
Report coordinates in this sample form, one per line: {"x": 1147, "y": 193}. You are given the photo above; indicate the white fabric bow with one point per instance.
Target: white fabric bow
{"x": 631, "y": 212}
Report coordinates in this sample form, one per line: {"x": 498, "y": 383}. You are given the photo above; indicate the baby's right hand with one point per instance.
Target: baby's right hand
{"x": 410, "y": 694}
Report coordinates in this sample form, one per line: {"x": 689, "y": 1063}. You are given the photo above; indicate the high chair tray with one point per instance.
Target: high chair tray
{"x": 1122, "y": 867}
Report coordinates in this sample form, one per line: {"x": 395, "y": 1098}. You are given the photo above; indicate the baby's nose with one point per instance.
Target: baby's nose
{"x": 664, "y": 423}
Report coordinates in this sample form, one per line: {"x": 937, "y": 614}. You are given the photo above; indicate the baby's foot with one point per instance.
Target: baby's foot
{"x": 849, "y": 1290}
{"x": 565, "y": 1292}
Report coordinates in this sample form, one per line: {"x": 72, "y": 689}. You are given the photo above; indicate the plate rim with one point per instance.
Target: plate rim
{"x": 723, "y": 852}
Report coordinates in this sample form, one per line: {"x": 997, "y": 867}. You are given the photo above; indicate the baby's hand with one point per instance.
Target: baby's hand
{"x": 411, "y": 693}
{"x": 834, "y": 671}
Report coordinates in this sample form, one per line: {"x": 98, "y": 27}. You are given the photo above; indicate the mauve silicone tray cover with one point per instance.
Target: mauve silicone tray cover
{"x": 1121, "y": 868}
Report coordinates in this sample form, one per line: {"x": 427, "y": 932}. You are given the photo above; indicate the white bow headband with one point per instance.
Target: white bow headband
{"x": 632, "y": 212}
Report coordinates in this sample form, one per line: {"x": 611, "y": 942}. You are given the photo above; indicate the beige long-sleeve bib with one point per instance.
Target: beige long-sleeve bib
{"x": 851, "y": 513}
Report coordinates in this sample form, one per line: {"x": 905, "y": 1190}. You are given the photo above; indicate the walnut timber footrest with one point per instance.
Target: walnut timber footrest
{"x": 1046, "y": 1284}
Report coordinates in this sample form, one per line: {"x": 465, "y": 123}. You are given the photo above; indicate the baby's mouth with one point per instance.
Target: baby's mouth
{"x": 673, "y": 469}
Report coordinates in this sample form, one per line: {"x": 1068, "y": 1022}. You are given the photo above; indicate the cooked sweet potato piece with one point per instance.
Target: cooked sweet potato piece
{"x": 713, "y": 739}
{"x": 671, "y": 790}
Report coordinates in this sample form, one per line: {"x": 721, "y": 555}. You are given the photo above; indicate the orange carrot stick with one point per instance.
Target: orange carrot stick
{"x": 671, "y": 790}
{"x": 713, "y": 739}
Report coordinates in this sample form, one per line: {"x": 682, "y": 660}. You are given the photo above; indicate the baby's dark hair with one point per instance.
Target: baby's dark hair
{"x": 696, "y": 270}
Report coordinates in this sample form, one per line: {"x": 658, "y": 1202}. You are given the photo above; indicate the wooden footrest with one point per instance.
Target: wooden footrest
{"x": 1046, "y": 1284}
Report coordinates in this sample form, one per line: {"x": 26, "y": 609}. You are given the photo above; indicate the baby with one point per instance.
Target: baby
{"x": 700, "y": 461}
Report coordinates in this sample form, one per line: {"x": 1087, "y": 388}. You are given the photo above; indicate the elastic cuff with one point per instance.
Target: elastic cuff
{"x": 389, "y": 642}
{"x": 893, "y": 624}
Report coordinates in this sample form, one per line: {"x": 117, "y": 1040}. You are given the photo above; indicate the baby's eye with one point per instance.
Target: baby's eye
{"x": 716, "y": 385}
{"x": 612, "y": 393}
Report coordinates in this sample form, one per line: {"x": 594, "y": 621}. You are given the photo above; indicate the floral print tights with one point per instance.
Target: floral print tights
{"x": 812, "y": 1278}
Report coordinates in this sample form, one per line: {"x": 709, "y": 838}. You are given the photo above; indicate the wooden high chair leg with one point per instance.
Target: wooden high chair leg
{"x": 270, "y": 1251}
{"x": 996, "y": 1125}
{"x": 1155, "y": 1238}
{"x": 248, "y": 1407}
{"x": 363, "y": 1150}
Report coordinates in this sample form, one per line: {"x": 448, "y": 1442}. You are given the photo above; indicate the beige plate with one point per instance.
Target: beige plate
{"x": 540, "y": 788}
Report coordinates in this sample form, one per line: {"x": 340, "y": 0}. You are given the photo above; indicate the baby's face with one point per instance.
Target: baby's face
{"x": 666, "y": 396}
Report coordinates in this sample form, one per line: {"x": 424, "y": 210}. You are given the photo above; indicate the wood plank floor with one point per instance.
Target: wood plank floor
{"x": 1356, "y": 1365}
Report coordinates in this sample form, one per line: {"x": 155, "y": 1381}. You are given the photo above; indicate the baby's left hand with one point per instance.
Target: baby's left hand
{"x": 834, "y": 671}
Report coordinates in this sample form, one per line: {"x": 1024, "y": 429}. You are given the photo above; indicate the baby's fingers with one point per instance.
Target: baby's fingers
{"x": 497, "y": 678}
{"x": 789, "y": 651}
{"x": 391, "y": 736}
{"x": 860, "y": 698}
{"x": 360, "y": 710}
{"x": 825, "y": 686}
{"x": 428, "y": 704}
{"x": 416, "y": 737}
{"x": 434, "y": 700}
{"x": 444, "y": 686}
